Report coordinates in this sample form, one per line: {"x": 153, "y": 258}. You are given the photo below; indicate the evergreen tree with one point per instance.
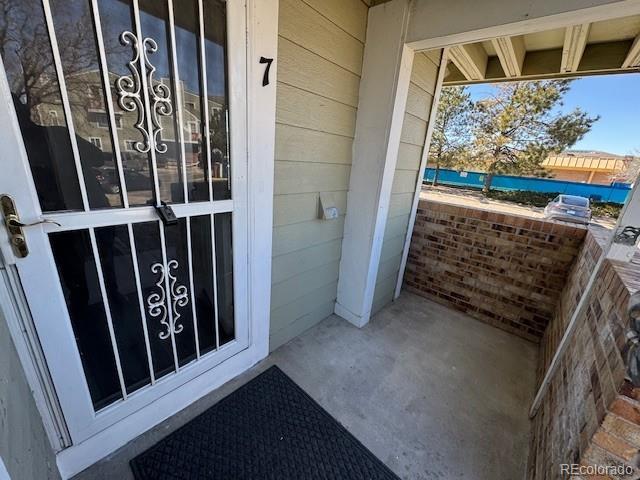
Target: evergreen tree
{"x": 521, "y": 124}
{"x": 452, "y": 131}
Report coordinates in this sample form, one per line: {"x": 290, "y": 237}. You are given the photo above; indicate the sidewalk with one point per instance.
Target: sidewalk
{"x": 472, "y": 198}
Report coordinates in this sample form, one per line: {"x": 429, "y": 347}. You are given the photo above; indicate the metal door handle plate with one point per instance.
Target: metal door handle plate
{"x": 15, "y": 227}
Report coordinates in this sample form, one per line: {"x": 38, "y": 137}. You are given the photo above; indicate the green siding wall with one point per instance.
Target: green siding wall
{"x": 320, "y": 49}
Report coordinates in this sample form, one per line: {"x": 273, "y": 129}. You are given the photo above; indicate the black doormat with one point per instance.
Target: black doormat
{"x": 268, "y": 429}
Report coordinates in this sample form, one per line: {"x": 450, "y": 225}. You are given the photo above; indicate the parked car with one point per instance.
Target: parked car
{"x": 569, "y": 208}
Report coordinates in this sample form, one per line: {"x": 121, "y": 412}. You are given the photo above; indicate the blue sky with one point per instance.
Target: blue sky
{"x": 616, "y": 98}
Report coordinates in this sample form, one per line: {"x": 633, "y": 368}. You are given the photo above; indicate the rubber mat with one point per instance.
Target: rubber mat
{"x": 267, "y": 429}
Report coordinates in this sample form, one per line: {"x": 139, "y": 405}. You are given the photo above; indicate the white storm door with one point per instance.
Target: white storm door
{"x": 110, "y": 110}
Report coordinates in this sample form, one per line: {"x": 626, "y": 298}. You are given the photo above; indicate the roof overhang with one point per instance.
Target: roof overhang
{"x": 597, "y": 48}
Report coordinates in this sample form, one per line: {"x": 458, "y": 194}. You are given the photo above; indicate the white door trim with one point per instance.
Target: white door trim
{"x": 423, "y": 165}
{"x": 521, "y": 18}
{"x": 13, "y": 305}
{"x": 257, "y": 34}
{"x": 15, "y": 311}
{"x": 386, "y": 73}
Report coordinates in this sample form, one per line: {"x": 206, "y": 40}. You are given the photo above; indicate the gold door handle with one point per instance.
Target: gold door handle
{"x": 15, "y": 227}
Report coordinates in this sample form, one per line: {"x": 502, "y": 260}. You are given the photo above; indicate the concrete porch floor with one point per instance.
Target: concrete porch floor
{"x": 430, "y": 391}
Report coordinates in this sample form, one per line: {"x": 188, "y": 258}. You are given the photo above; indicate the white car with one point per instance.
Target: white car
{"x": 569, "y": 208}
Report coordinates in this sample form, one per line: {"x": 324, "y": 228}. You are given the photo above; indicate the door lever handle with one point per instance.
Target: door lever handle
{"x": 14, "y": 221}
{"x": 15, "y": 228}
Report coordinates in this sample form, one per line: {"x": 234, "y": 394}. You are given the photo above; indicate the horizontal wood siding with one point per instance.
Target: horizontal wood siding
{"x": 320, "y": 48}
{"x": 414, "y": 129}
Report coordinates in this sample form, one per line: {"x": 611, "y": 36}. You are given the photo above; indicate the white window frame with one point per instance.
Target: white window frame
{"x": 98, "y": 143}
{"x": 252, "y": 26}
{"x": 193, "y": 127}
{"x": 99, "y": 124}
{"x": 129, "y": 145}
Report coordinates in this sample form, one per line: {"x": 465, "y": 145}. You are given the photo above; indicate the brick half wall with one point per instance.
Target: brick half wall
{"x": 503, "y": 269}
{"x": 590, "y": 414}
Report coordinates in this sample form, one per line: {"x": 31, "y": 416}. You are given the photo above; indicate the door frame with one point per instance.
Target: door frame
{"x": 255, "y": 21}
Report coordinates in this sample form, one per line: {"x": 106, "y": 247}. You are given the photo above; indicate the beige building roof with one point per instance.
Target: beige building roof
{"x": 610, "y": 164}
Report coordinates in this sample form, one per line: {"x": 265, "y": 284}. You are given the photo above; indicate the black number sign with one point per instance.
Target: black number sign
{"x": 265, "y": 78}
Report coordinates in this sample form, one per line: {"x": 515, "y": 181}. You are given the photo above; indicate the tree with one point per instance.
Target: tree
{"x": 519, "y": 126}
{"x": 452, "y": 130}
{"x": 26, "y": 51}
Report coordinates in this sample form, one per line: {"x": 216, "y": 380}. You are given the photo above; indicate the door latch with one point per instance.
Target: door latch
{"x": 166, "y": 214}
{"x": 15, "y": 226}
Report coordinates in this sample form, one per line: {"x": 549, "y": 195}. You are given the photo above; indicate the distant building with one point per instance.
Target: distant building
{"x": 587, "y": 166}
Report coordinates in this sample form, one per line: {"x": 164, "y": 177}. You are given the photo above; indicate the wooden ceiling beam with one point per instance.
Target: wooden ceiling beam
{"x": 471, "y": 60}
{"x": 575, "y": 41}
{"x": 633, "y": 55}
{"x": 511, "y": 52}
{"x": 598, "y": 58}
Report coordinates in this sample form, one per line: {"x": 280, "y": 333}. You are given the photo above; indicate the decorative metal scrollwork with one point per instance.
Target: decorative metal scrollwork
{"x": 129, "y": 88}
{"x": 129, "y": 91}
{"x": 159, "y": 95}
{"x": 179, "y": 296}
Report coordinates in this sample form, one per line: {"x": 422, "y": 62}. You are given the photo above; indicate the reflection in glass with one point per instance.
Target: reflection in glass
{"x": 28, "y": 62}
{"x": 215, "y": 33}
{"x": 122, "y": 294}
{"x": 180, "y": 292}
{"x": 154, "y": 19}
{"x": 147, "y": 241}
{"x": 224, "y": 273}
{"x": 116, "y": 17}
{"x": 203, "y": 281}
{"x": 80, "y": 65}
{"x": 73, "y": 256}
{"x": 189, "y": 67}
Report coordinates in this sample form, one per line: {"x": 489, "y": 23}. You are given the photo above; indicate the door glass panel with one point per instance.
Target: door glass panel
{"x": 28, "y": 61}
{"x": 203, "y": 281}
{"x": 138, "y": 307}
{"x": 189, "y": 71}
{"x": 179, "y": 290}
{"x": 155, "y": 28}
{"x": 116, "y": 17}
{"x": 83, "y": 79}
{"x": 150, "y": 265}
{"x": 122, "y": 294}
{"x": 74, "y": 258}
{"x": 215, "y": 46}
{"x": 224, "y": 272}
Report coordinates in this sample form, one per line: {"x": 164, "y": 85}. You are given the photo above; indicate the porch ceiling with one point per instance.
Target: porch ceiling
{"x": 604, "y": 47}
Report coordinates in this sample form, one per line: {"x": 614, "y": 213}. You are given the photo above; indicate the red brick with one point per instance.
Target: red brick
{"x": 614, "y": 445}
{"x": 626, "y": 410}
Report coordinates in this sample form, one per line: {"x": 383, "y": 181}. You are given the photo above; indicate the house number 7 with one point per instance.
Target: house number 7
{"x": 265, "y": 78}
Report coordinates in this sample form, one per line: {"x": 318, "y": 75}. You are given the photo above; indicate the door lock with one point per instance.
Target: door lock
{"x": 15, "y": 226}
